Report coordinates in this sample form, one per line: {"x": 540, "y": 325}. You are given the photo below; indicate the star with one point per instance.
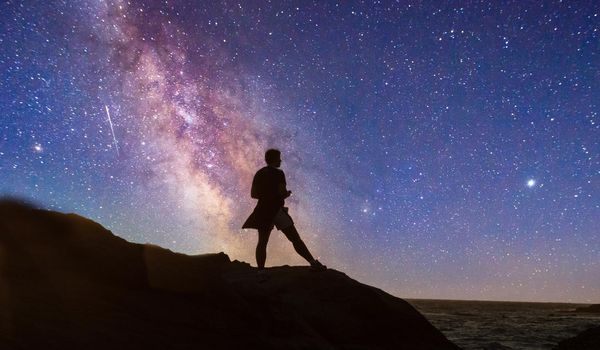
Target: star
{"x": 531, "y": 183}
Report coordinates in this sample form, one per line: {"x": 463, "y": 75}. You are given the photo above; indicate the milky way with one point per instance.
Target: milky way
{"x": 436, "y": 150}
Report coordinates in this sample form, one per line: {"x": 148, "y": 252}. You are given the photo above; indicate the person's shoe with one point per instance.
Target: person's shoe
{"x": 316, "y": 265}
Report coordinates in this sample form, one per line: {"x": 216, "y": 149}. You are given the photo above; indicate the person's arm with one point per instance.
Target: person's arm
{"x": 254, "y": 191}
{"x": 283, "y": 191}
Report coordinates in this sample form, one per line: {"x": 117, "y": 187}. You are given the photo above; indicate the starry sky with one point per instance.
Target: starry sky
{"x": 435, "y": 149}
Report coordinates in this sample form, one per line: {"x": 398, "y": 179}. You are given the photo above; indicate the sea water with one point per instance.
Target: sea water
{"x": 492, "y": 325}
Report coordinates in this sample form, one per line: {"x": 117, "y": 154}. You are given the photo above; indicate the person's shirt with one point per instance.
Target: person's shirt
{"x": 266, "y": 184}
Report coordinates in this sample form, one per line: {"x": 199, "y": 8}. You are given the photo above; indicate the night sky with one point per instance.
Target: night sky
{"x": 434, "y": 149}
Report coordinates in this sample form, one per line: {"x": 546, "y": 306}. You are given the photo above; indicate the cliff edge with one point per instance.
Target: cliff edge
{"x": 65, "y": 281}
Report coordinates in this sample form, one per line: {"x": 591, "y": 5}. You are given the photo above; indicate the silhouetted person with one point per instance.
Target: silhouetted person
{"x": 269, "y": 187}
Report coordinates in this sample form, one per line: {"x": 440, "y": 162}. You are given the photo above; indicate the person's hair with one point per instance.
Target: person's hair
{"x": 272, "y": 155}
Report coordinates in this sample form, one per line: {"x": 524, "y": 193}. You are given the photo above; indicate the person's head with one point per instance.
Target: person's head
{"x": 273, "y": 157}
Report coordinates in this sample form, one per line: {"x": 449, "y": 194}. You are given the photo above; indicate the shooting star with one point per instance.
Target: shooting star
{"x": 46, "y": 81}
{"x": 111, "y": 129}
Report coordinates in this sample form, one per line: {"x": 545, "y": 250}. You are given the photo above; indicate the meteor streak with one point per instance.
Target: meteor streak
{"x": 111, "y": 129}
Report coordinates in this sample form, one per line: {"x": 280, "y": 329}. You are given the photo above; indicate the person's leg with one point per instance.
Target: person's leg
{"x": 261, "y": 247}
{"x": 292, "y": 234}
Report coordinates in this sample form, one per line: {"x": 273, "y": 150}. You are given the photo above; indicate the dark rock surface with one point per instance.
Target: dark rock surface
{"x": 66, "y": 282}
{"x": 586, "y": 340}
{"x": 595, "y": 308}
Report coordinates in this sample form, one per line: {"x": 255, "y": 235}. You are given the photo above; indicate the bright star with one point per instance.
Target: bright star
{"x": 38, "y": 148}
{"x": 530, "y": 183}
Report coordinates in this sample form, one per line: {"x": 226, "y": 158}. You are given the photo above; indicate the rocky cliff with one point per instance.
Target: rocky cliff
{"x": 67, "y": 282}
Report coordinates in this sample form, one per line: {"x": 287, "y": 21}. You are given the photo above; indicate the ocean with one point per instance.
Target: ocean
{"x": 493, "y": 325}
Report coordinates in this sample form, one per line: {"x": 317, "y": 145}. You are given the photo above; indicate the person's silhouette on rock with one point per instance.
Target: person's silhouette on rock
{"x": 269, "y": 187}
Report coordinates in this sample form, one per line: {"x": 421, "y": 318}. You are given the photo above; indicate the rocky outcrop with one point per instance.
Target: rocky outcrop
{"x": 594, "y": 309}
{"x": 586, "y": 340}
{"x": 66, "y": 282}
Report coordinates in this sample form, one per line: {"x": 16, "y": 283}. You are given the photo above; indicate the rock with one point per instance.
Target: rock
{"x": 595, "y": 308}
{"x": 66, "y": 282}
{"x": 586, "y": 340}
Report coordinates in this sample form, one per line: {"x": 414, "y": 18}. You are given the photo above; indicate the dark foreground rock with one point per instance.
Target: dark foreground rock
{"x": 586, "y": 340}
{"x": 66, "y": 282}
{"x": 593, "y": 309}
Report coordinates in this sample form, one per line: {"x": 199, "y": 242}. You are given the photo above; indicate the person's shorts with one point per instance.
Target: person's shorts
{"x": 282, "y": 219}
